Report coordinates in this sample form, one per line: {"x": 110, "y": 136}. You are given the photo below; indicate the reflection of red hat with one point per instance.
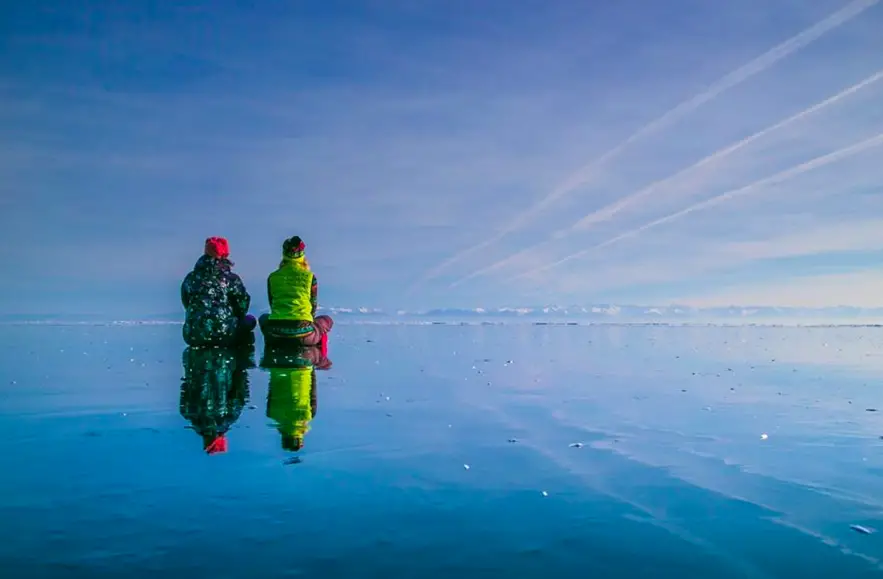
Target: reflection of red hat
{"x": 217, "y": 247}
{"x": 218, "y": 445}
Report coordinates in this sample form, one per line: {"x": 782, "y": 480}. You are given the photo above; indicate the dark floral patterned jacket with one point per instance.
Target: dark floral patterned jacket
{"x": 215, "y": 300}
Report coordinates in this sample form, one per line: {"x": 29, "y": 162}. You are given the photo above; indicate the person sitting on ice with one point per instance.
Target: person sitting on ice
{"x": 216, "y": 301}
{"x": 293, "y": 293}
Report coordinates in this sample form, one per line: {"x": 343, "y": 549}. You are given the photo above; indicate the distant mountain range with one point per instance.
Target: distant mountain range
{"x": 599, "y": 313}
{"x": 624, "y": 313}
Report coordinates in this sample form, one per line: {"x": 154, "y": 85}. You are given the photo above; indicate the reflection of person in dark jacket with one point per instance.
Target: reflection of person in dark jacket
{"x": 214, "y": 391}
{"x": 292, "y": 400}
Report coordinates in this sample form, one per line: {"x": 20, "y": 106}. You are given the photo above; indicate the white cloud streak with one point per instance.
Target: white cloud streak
{"x": 612, "y": 209}
{"x": 810, "y": 165}
{"x": 732, "y": 79}
{"x": 663, "y": 266}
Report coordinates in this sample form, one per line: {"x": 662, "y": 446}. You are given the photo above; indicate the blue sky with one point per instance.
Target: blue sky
{"x": 445, "y": 153}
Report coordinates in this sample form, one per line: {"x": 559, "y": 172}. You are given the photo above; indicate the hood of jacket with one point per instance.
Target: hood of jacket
{"x": 207, "y": 262}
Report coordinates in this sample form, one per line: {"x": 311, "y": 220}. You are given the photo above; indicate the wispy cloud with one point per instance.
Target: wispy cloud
{"x": 734, "y": 78}
{"x": 753, "y": 187}
{"x": 668, "y": 263}
{"x": 677, "y": 184}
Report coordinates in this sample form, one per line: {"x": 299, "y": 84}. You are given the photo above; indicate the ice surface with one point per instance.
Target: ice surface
{"x": 592, "y": 452}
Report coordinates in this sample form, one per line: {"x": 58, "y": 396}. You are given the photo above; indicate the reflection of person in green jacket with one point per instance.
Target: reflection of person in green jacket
{"x": 292, "y": 403}
{"x": 214, "y": 391}
{"x": 292, "y": 397}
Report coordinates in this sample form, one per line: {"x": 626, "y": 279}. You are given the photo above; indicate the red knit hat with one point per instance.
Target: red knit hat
{"x": 217, "y": 247}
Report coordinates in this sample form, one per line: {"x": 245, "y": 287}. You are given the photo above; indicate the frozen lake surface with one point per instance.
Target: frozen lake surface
{"x": 446, "y": 451}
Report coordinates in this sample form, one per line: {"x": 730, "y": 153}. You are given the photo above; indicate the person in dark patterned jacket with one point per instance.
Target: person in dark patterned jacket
{"x": 216, "y": 301}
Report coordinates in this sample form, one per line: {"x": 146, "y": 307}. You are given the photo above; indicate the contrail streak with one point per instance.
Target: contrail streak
{"x": 730, "y": 80}
{"x": 612, "y": 209}
{"x": 718, "y": 199}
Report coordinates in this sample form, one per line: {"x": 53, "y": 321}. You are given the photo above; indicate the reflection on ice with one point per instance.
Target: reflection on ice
{"x": 629, "y": 450}
{"x": 292, "y": 397}
{"x": 214, "y": 391}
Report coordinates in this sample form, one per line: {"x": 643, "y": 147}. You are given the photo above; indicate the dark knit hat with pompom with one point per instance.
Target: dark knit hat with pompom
{"x": 293, "y": 247}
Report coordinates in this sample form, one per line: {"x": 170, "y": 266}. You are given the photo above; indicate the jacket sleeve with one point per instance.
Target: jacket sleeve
{"x": 185, "y": 291}
{"x": 269, "y": 294}
{"x": 314, "y": 295}
{"x": 239, "y": 298}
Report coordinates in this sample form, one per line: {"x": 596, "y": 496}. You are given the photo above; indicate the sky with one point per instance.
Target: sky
{"x": 452, "y": 153}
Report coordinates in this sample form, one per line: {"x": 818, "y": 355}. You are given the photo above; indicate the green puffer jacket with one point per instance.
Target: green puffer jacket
{"x": 292, "y": 291}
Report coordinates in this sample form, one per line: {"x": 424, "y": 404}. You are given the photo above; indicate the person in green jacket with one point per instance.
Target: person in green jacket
{"x": 293, "y": 293}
